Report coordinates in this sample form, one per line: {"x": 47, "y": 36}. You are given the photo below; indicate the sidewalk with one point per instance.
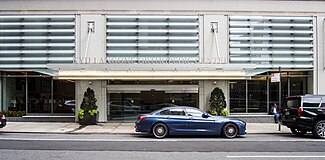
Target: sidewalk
{"x": 110, "y": 128}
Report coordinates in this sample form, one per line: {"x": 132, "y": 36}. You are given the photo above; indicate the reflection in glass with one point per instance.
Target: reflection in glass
{"x": 237, "y": 96}
{"x": 64, "y": 96}
{"x": 39, "y": 95}
{"x": 257, "y": 97}
{"x": 129, "y": 105}
{"x": 14, "y": 94}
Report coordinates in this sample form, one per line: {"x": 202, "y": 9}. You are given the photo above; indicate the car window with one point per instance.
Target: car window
{"x": 311, "y": 101}
{"x": 293, "y": 102}
{"x": 194, "y": 112}
{"x": 177, "y": 112}
{"x": 165, "y": 112}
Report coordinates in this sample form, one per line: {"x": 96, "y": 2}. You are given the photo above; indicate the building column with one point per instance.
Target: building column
{"x": 205, "y": 89}
{"x": 99, "y": 88}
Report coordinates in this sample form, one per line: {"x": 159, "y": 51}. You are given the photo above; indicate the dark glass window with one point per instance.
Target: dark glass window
{"x": 294, "y": 102}
{"x": 177, "y": 112}
{"x": 257, "y": 97}
{"x": 237, "y": 96}
{"x": 125, "y": 106}
{"x": 165, "y": 112}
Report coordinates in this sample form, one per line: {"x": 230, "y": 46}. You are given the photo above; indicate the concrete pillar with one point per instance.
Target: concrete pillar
{"x": 99, "y": 88}
{"x": 91, "y": 45}
{"x": 206, "y": 87}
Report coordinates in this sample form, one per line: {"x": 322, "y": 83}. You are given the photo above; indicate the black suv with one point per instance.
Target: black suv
{"x": 305, "y": 113}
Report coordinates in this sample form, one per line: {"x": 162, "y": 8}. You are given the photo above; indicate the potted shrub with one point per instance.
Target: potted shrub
{"x": 87, "y": 113}
{"x": 218, "y": 103}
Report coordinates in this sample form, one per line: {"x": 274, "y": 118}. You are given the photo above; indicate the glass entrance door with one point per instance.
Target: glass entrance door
{"x": 123, "y": 106}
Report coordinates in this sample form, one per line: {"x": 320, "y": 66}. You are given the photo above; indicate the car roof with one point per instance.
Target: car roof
{"x": 174, "y": 107}
{"x": 307, "y": 95}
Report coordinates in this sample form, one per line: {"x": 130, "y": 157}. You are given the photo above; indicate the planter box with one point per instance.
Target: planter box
{"x": 88, "y": 119}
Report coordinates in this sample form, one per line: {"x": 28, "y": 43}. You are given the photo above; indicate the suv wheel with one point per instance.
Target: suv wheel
{"x": 319, "y": 129}
{"x": 298, "y": 132}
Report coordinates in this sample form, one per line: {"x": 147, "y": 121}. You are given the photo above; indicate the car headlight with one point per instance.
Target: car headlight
{"x": 242, "y": 123}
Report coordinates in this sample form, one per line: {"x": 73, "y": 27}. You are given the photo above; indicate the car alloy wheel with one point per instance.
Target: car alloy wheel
{"x": 160, "y": 130}
{"x": 230, "y": 130}
{"x": 319, "y": 129}
{"x": 298, "y": 132}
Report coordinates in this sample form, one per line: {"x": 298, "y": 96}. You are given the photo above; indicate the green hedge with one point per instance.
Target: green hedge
{"x": 9, "y": 113}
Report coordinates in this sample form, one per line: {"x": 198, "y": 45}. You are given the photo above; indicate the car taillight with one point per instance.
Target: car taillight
{"x": 142, "y": 117}
{"x": 299, "y": 111}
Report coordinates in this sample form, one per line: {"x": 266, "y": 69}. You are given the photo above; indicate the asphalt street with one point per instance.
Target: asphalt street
{"x": 137, "y": 146}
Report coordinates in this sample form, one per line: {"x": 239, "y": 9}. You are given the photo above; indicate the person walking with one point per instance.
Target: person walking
{"x": 275, "y": 111}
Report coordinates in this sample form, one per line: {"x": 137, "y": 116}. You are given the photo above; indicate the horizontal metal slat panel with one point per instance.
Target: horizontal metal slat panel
{"x": 153, "y": 51}
{"x": 37, "y": 23}
{"x": 152, "y": 38}
{"x": 273, "y": 52}
{"x": 37, "y": 37}
{"x": 246, "y": 31}
{"x": 270, "y": 38}
{"x": 151, "y": 24}
{"x": 32, "y": 41}
{"x": 271, "y": 41}
{"x": 152, "y": 31}
{"x": 36, "y": 30}
{"x": 273, "y": 45}
{"x": 238, "y": 24}
{"x": 152, "y": 44}
{"x": 37, "y": 51}
{"x": 36, "y": 44}
{"x": 150, "y": 17}
{"x": 36, "y": 16}
{"x": 152, "y": 35}
{"x": 244, "y": 18}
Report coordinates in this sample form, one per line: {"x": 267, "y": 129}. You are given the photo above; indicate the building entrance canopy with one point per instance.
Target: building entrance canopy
{"x": 153, "y": 71}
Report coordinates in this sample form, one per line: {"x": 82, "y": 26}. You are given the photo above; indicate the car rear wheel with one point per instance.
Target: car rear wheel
{"x": 160, "y": 130}
{"x": 298, "y": 132}
{"x": 319, "y": 129}
{"x": 230, "y": 130}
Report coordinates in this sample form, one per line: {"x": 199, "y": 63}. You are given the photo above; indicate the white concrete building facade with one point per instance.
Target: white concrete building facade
{"x": 139, "y": 56}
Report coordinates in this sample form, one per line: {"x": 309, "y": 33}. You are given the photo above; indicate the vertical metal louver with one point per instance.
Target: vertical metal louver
{"x": 140, "y": 36}
{"x": 270, "y": 42}
{"x": 33, "y": 41}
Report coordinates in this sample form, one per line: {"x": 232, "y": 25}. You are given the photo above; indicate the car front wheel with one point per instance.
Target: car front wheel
{"x": 160, "y": 130}
{"x": 230, "y": 130}
{"x": 298, "y": 132}
{"x": 319, "y": 129}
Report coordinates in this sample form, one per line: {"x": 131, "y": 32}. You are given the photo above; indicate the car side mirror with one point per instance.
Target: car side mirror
{"x": 205, "y": 115}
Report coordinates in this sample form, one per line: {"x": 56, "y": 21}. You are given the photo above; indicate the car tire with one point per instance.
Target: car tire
{"x": 298, "y": 132}
{"x": 160, "y": 130}
{"x": 230, "y": 130}
{"x": 319, "y": 129}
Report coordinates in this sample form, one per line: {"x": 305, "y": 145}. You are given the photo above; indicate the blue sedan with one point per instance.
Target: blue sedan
{"x": 188, "y": 121}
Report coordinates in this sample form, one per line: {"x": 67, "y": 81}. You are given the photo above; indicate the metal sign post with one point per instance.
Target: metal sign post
{"x": 279, "y": 96}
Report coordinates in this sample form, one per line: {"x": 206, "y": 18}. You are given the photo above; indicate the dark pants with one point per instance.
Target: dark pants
{"x": 276, "y": 117}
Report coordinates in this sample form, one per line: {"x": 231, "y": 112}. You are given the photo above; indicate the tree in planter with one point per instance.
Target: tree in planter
{"x": 88, "y": 108}
{"x": 218, "y": 103}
